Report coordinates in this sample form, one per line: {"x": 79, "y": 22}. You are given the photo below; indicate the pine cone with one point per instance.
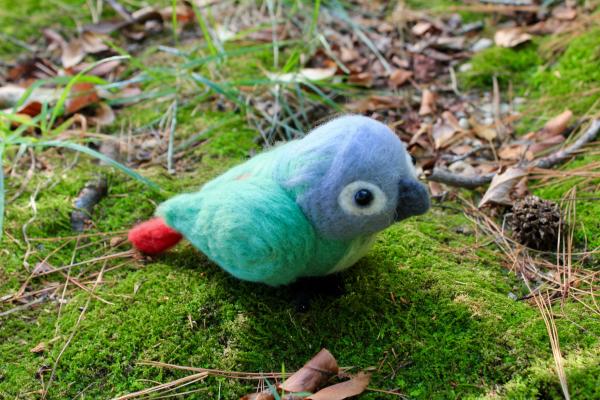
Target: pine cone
{"x": 536, "y": 223}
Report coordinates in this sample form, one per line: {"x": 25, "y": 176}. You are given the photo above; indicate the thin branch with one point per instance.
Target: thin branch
{"x": 443, "y": 175}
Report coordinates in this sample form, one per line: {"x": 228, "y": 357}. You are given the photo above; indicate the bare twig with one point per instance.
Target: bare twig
{"x": 443, "y": 175}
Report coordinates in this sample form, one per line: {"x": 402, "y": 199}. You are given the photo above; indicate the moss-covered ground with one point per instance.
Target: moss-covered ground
{"x": 428, "y": 308}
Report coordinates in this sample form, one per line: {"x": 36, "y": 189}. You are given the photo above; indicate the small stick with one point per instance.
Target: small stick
{"x": 443, "y": 175}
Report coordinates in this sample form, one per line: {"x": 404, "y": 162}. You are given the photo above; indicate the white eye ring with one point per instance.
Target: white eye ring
{"x": 347, "y": 203}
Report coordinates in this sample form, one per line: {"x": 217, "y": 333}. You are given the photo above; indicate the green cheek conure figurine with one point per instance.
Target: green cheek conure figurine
{"x": 309, "y": 207}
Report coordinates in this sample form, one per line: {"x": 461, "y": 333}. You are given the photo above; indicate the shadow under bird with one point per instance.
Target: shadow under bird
{"x": 309, "y": 207}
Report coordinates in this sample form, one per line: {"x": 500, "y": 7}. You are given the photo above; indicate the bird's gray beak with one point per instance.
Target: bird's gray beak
{"x": 413, "y": 199}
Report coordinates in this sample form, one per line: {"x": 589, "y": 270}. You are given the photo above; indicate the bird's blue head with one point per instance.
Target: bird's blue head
{"x": 353, "y": 176}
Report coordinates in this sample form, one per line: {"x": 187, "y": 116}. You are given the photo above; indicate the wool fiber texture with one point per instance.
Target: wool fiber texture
{"x": 293, "y": 211}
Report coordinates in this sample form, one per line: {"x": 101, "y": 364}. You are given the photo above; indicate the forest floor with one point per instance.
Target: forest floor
{"x": 439, "y": 308}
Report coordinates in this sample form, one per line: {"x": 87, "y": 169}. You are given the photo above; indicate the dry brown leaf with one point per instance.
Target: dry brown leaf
{"x": 564, "y": 13}
{"x": 399, "y": 77}
{"x": 103, "y": 115}
{"x": 425, "y": 68}
{"x": 555, "y": 126}
{"x": 93, "y": 43}
{"x": 310, "y": 74}
{"x": 258, "y": 396}
{"x": 83, "y": 94}
{"x": 537, "y": 148}
{"x": 102, "y": 69}
{"x": 343, "y": 390}
{"x": 421, "y": 28}
{"x": 348, "y": 54}
{"x": 501, "y": 186}
{"x": 375, "y": 103}
{"x": 73, "y": 53}
{"x": 427, "y": 102}
{"x": 511, "y": 37}
{"x": 184, "y": 13}
{"x": 362, "y": 78}
{"x": 484, "y": 132}
{"x": 32, "y": 68}
{"x": 436, "y": 189}
{"x": 39, "y": 348}
{"x": 442, "y": 133}
{"x": 42, "y": 267}
{"x": 313, "y": 374}
{"x": 514, "y": 152}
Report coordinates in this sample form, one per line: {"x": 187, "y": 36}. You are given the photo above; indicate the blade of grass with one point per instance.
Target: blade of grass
{"x": 174, "y": 21}
{"x": 212, "y": 49}
{"x": 99, "y": 156}
{"x": 2, "y": 195}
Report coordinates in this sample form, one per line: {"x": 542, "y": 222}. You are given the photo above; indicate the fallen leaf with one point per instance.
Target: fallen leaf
{"x": 310, "y": 74}
{"x": 511, "y": 37}
{"x": 363, "y": 79}
{"x": 103, "y": 115}
{"x": 427, "y": 102}
{"x": 39, "y": 348}
{"x": 183, "y": 12}
{"x": 421, "y": 28}
{"x": 83, "y": 94}
{"x": 32, "y": 68}
{"x": 343, "y": 390}
{"x": 258, "y": 396}
{"x": 436, "y": 189}
{"x": 42, "y": 268}
{"x": 348, "y": 54}
{"x": 501, "y": 186}
{"x": 93, "y": 43}
{"x": 442, "y": 133}
{"x": 425, "y": 68}
{"x": 564, "y": 13}
{"x": 102, "y": 69}
{"x": 399, "y": 77}
{"x": 555, "y": 126}
{"x": 462, "y": 168}
{"x": 513, "y": 152}
{"x": 73, "y": 53}
{"x": 313, "y": 374}
{"x": 539, "y": 147}
{"x": 484, "y": 132}
{"x": 375, "y": 103}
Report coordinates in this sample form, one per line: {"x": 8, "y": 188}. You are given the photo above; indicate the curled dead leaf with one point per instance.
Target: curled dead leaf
{"x": 485, "y": 132}
{"x": 83, "y": 94}
{"x": 511, "y": 37}
{"x": 421, "y": 28}
{"x": 39, "y": 348}
{"x": 313, "y": 374}
{"x": 556, "y": 125}
{"x": 501, "y": 186}
{"x": 353, "y": 387}
{"x": 399, "y": 77}
{"x": 427, "y": 102}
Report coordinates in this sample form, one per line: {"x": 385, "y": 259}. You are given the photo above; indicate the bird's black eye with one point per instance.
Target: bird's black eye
{"x": 413, "y": 159}
{"x": 363, "y": 197}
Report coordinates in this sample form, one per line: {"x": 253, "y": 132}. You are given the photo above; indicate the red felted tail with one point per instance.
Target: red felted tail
{"x": 153, "y": 236}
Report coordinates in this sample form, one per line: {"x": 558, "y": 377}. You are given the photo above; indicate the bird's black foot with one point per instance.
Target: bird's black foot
{"x": 305, "y": 290}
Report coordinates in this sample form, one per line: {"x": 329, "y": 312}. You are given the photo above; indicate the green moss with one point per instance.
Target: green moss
{"x": 514, "y": 66}
{"x": 428, "y": 308}
{"x": 23, "y": 20}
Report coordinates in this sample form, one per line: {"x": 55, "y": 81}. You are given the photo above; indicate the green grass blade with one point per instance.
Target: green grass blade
{"x": 1, "y": 189}
{"x": 212, "y": 49}
{"x": 101, "y": 157}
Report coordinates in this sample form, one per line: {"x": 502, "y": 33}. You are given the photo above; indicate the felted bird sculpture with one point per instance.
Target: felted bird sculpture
{"x": 309, "y": 207}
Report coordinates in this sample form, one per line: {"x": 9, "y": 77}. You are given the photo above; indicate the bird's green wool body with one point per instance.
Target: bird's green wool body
{"x": 258, "y": 222}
